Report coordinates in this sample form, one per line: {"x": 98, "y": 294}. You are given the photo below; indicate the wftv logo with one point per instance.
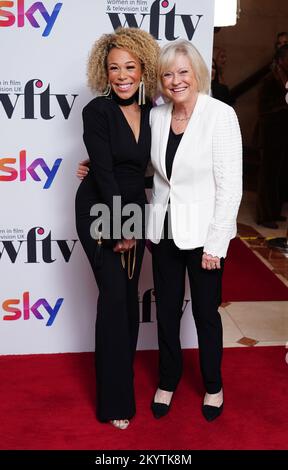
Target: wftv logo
{"x": 148, "y": 300}
{"x": 29, "y": 246}
{"x": 24, "y": 170}
{"x": 26, "y": 310}
{"x": 20, "y": 14}
{"x": 28, "y": 101}
{"x": 172, "y": 21}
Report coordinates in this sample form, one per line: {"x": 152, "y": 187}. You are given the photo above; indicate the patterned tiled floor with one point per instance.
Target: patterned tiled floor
{"x": 258, "y": 323}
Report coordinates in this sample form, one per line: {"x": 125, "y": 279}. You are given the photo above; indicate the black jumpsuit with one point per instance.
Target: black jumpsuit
{"x": 117, "y": 168}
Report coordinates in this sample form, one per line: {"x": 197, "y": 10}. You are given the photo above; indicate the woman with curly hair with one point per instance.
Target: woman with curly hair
{"x": 122, "y": 69}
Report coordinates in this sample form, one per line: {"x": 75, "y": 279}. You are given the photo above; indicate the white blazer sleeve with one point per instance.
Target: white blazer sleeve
{"x": 227, "y": 170}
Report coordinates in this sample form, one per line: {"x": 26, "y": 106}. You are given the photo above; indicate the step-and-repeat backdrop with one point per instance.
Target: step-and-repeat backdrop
{"x": 47, "y": 291}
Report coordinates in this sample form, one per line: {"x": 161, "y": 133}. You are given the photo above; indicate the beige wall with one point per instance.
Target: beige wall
{"x": 250, "y": 45}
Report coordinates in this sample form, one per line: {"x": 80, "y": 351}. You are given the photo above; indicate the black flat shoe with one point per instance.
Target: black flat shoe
{"x": 159, "y": 409}
{"x": 211, "y": 412}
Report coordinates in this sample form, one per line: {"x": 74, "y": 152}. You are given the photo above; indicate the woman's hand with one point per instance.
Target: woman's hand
{"x": 210, "y": 262}
{"x": 124, "y": 245}
{"x": 82, "y": 169}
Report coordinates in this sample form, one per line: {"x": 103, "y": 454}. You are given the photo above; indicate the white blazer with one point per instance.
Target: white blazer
{"x": 205, "y": 187}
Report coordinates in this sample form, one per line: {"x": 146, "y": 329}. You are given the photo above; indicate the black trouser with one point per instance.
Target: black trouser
{"x": 117, "y": 327}
{"x": 169, "y": 269}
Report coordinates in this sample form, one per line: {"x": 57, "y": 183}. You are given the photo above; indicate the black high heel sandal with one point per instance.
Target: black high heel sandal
{"x": 120, "y": 423}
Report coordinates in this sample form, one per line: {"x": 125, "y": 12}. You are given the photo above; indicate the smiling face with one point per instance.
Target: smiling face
{"x": 124, "y": 72}
{"x": 178, "y": 81}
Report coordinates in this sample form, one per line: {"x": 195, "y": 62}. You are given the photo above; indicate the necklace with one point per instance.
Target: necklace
{"x": 180, "y": 118}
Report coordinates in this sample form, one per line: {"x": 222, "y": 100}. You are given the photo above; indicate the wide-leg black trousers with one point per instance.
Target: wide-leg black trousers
{"x": 169, "y": 270}
{"x": 117, "y": 326}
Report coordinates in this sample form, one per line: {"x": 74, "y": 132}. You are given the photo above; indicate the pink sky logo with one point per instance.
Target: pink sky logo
{"x": 13, "y": 169}
{"x": 28, "y": 100}
{"x": 21, "y": 15}
{"x": 26, "y": 310}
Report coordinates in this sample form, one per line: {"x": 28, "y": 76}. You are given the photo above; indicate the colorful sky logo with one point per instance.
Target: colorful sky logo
{"x": 10, "y": 173}
{"x": 20, "y": 15}
{"x": 27, "y": 310}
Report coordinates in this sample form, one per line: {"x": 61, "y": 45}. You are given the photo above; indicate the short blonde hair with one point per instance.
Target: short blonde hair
{"x": 136, "y": 41}
{"x": 182, "y": 46}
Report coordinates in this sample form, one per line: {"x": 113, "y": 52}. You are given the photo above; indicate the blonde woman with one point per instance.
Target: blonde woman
{"x": 196, "y": 154}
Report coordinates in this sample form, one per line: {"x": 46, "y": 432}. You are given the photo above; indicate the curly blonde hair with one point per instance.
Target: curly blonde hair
{"x": 136, "y": 41}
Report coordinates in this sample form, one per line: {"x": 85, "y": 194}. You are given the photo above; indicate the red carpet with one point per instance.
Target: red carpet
{"x": 246, "y": 278}
{"x": 47, "y": 402}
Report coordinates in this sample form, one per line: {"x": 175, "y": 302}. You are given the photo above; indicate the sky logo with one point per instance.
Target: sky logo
{"x": 26, "y": 310}
{"x": 10, "y": 173}
{"x": 21, "y": 15}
